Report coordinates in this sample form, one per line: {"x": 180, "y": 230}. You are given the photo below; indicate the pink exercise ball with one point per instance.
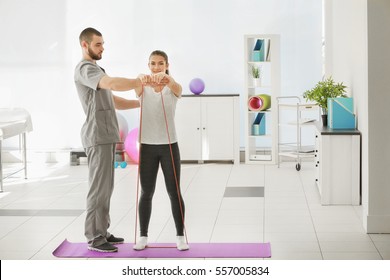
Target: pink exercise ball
{"x": 132, "y": 145}
{"x": 197, "y": 86}
{"x": 123, "y": 130}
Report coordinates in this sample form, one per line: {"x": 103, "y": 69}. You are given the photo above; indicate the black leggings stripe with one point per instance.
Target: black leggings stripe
{"x": 151, "y": 157}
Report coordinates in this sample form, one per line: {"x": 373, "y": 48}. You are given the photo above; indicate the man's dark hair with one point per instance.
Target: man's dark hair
{"x": 87, "y": 34}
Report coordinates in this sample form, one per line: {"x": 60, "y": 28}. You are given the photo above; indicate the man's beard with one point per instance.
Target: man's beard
{"x": 93, "y": 55}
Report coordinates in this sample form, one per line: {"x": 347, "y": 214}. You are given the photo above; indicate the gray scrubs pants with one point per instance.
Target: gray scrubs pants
{"x": 101, "y": 184}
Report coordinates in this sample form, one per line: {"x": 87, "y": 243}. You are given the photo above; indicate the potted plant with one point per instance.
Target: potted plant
{"x": 322, "y": 91}
{"x": 256, "y": 75}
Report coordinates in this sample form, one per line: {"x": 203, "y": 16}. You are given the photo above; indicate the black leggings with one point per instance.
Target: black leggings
{"x": 150, "y": 158}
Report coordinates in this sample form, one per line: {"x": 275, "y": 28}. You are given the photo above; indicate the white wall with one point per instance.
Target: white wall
{"x": 357, "y": 54}
{"x": 33, "y": 68}
{"x": 203, "y": 39}
{"x": 377, "y": 210}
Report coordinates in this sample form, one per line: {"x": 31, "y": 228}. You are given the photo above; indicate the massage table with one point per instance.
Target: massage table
{"x": 14, "y": 122}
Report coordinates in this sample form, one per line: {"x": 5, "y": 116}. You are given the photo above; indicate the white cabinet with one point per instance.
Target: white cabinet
{"x": 337, "y": 159}
{"x": 261, "y": 147}
{"x": 207, "y": 127}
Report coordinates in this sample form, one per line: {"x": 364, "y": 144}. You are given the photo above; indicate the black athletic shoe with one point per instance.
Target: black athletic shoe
{"x": 104, "y": 248}
{"x": 115, "y": 240}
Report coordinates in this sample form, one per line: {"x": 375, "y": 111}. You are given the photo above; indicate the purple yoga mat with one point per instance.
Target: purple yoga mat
{"x": 197, "y": 250}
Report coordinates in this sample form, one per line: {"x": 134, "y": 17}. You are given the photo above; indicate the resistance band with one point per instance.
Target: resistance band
{"x": 174, "y": 172}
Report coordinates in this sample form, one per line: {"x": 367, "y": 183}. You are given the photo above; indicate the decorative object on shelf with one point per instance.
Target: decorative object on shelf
{"x": 259, "y": 102}
{"x": 256, "y": 76}
{"x": 258, "y": 50}
{"x": 322, "y": 91}
{"x": 197, "y": 86}
{"x": 340, "y": 113}
{"x": 258, "y": 127}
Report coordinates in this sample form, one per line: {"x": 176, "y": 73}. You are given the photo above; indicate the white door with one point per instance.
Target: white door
{"x": 217, "y": 128}
{"x": 188, "y": 127}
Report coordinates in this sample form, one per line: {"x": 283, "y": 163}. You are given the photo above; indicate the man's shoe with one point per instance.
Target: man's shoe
{"x": 115, "y": 240}
{"x": 104, "y": 248}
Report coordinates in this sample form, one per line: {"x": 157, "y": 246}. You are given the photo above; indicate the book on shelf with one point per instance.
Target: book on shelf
{"x": 268, "y": 51}
{"x": 258, "y": 127}
{"x": 262, "y": 50}
{"x": 258, "y": 50}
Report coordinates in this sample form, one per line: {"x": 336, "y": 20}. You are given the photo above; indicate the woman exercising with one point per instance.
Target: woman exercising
{"x": 158, "y": 95}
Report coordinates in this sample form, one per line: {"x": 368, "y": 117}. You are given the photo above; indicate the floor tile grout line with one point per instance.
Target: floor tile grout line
{"x": 315, "y": 230}
{"x": 379, "y": 252}
{"x": 41, "y": 185}
{"x": 117, "y": 182}
{"x": 24, "y": 195}
{"x": 311, "y": 216}
{"x": 220, "y": 205}
{"x": 191, "y": 181}
{"x": 354, "y": 210}
{"x": 55, "y": 236}
{"x": 264, "y": 200}
{"x": 62, "y": 196}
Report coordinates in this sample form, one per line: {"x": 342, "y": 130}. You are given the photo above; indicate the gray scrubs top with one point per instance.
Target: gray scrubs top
{"x": 101, "y": 124}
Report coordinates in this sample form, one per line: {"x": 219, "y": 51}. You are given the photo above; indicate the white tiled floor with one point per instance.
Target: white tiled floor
{"x": 289, "y": 216}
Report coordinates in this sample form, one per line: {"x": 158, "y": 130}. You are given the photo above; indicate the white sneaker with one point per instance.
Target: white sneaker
{"x": 181, "y": 243}
{"x": 141, "y": 243}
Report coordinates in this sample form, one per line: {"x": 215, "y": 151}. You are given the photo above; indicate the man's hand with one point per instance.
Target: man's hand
{"x": 160, "y": 79}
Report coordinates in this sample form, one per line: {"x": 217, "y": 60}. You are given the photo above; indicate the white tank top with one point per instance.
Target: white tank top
{"x": 154, "y": 129}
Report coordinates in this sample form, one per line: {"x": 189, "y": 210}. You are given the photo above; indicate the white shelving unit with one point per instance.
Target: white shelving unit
{"x": 262, "y": 149}
{"x": 299, "y": 118}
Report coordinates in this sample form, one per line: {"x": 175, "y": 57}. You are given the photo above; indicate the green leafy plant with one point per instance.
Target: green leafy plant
{"x": 255, "y": 72}
{"x": 323, "y": 90}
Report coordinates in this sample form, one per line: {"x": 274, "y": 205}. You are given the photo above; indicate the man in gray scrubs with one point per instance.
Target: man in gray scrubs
{"x": 99, "y": 136}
